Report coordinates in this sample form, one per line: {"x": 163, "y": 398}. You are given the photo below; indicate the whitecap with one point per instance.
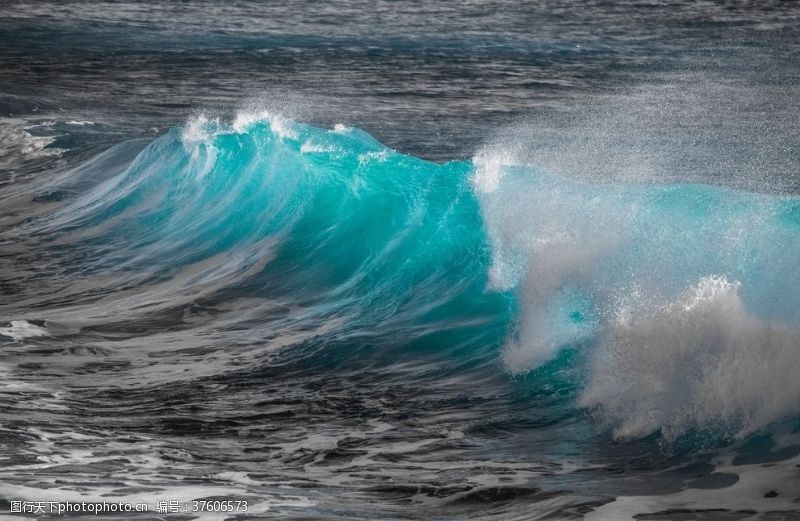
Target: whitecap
{"x": 21, "y": 329}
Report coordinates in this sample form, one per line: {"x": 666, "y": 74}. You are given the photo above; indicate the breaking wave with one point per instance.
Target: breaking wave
{"x": 681, "y": 298}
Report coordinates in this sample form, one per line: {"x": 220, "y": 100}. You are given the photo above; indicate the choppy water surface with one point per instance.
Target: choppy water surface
{"x": 402, "y": 260}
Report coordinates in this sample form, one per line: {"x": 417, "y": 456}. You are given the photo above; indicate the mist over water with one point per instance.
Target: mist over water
{"x": 401, "y": 260}
{"x": 608, "y": 224}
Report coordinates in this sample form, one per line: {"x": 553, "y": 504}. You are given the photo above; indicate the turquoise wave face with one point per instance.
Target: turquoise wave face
{"x": 681, "y": 298}
{"x": 352, "y": 234}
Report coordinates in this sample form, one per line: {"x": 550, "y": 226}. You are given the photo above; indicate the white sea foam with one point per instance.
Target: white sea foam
{"x": 691, "y": 288}
{"x": 201, "y": 128}
{"x": 22, "y": 329}
{"x": 543, "y": 245}
{"x": 281, "y": 125}
{"x": 489, "y": 168}
{"x": 661, "y": 358}
{"x": 196, "y": 130}
{"x": 698, "y": 361}
{"x": 746, "y": 495}
{"x": 18, "y": 143}
{"x": 379, "y": 156}
{"x": 310, "y": 147}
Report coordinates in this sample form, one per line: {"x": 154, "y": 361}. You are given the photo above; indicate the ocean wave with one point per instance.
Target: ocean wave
{"x": 327, "y": 233}
{"x": 604, "y": 267}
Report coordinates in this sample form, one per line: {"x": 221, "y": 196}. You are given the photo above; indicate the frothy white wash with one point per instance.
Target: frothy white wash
{"x": 540, "y": 246}
{"x": 602, "y": 253}
{"x": 201, "y": 128}
{"x": 21, "y": 329}
{"x": 701, "y": 360}
{"x": 745, "y": 496}
{"x": 281, "y": 125}
{"x": 17, "y": 144}
{"x": 698, "y": 360}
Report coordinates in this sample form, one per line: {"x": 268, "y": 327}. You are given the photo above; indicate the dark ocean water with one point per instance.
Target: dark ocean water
{"x": 401, "y": 260}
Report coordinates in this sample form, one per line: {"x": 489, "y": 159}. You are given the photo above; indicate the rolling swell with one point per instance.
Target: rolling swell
{"x": 329, "y": 230}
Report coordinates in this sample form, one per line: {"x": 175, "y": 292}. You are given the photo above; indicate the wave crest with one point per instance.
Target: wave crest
{"x": 592, "y": 265}
{"x": 702, "y": 360}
